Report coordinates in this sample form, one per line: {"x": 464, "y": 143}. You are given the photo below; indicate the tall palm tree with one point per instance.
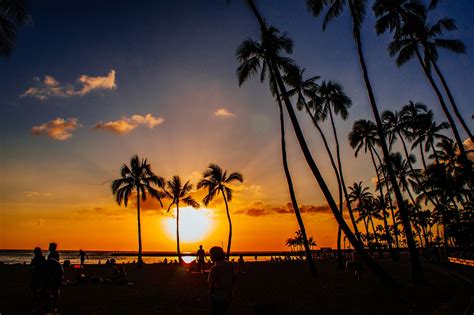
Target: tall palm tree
{"x": 331, "y": 100}
{"x": 137, "y": 177}
{"x": 179, "y": 193}
{"x": 419, "y": 35}
{"x": 13, "y": 15}
{"x": 357, "y": 245}
{"x": 407, "y": 19}
{"x": 357, "y": 10}
{"x": 217, "y": 181}
{"x": 364, "y": 134}
{"x": 256, "y": 56}
{"x": 308, "y": 89}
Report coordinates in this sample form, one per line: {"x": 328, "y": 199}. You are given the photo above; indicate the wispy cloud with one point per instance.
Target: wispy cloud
{"x": 128, "y": 124}
{"x": 222, "y": 112}
{"x": 50, "y": 87}
{"x": 58, "y": 129}
{"x": 33, "y": 194}
{"x": 258, "y": 209}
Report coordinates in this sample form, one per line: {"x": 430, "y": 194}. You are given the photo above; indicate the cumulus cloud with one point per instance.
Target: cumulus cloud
{"x": 50, "y": 87}
{"x": 469, "y": 146}
{"x": 261, "y": 209}
{"x": 222, "y": 112}
{"x": 128, "y": 124}
{"x": 58, "y": 129}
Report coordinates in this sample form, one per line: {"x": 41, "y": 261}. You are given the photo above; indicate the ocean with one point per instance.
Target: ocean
{"x": 100, "y": 257}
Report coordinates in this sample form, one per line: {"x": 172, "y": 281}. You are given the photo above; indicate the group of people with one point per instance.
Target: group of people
{"x": 47, "y": 275}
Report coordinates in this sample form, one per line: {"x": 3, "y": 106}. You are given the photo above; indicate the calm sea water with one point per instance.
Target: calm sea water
{"x": 25, "y": 256}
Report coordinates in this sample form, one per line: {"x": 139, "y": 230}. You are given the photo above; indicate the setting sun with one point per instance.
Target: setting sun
{"x": 194, "y": 224}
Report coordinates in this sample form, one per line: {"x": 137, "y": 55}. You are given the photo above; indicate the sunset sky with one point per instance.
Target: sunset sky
{"x": 92, "y": 83}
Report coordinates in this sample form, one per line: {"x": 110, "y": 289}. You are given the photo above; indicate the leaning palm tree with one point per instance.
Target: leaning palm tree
{"x": 357, "y": 10}
{"x": 364, "y": 135}
{"x": 13, "y": 14}
{"x": 256, "y": 56}
{"x": 331, "y": 100}
{"x": 179, "y": 193}
{"x": 418, "y": 36}
{"x": 217, "y": 182}
{"x": 140, "y": 178}
{"x": 357, "y": 245}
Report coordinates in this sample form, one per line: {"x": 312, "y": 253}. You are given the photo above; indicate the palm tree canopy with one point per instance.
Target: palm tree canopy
{"x": 330, "y": 96}
{"x": 217, "y": 180}
{"x": 179, "y": 192}
{"x": 254, "y": 56}
{"x": 363, "y": 135}
{"x": 138, "y": 176}
{"x": 392, "y": 14}
{"x": 13, "y": 14}
{"x": 335, "y": 8}
{"x": 300, "y": 87}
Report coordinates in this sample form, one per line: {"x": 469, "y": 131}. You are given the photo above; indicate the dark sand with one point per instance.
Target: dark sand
{"x": 266, "y": 288}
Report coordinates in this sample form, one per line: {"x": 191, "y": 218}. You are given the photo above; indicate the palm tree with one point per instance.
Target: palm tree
{"x": 359, "y": 193}
{"x": 357, "y": 10}
{"x": 419, "y": 34}
{"x": 140, "y": 178}
{"x": 357, "y": 245}
{"x": 429, "y": 135}
{"x": 217, "y": 181}
{"x": 364, "y": 134}
{"x": 308, "y": 88}
{"x": 13, "y": 14}
{"x": 331, "y": 100}
{"x": 179, "y": 193}
{"x": 254, "y": 56}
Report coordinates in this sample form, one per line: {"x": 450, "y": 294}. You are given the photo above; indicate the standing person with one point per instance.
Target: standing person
{"x": 201, "y": 255}
{"x": 83, "y": 256}
{"x": 221, "y": 281}
{"x": 52, "y": 278}
{"x": 53, "y": 253}
{"x": 36, "y": 264}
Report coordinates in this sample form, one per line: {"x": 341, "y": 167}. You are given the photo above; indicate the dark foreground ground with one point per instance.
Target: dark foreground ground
{"x": 265, "y": 288}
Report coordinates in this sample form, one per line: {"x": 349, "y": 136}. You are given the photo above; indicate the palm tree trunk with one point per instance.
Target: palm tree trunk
{"x": 229, "y": 242}
{"x": 464, "y": 160}
{"x": 180, "y": 260}
{"x": 139, "y": 259}
{"x": 339, "y": 181}
{"x": 417, "y": 271}
{"x": 358, "y": 246}
{"x": 413, "y": 170}
{"x": 384, "y": 205}
{"x": 309, "y": 256}
{"x": 451, "y": 100}
{"x": 338, "y": 156}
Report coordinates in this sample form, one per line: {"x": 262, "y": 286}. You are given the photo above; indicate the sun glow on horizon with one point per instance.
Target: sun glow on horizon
{"x": 194, "y": 224}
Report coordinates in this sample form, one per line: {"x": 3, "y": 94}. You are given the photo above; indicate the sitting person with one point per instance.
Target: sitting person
{"x": 221, "y": 281}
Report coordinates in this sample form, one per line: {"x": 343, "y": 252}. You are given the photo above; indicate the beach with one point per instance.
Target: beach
{"x": 264, "y": 288}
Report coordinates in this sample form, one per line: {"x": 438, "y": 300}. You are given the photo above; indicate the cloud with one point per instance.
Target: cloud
{"x": 33, "y": 194}
{"x": 222, "y": 112}
{"x": 95, "y": 212}
{"x": 469, "y": 146}
{"x": 50, "y": 87}
{"x": 258, "y": 209}
{"x": 58, "y": 129}
{"x": 128, "y": 124}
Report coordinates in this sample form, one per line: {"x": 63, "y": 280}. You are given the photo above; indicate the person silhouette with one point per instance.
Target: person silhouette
{"x": 52, "y": 277}
{"x": 53, "y": 253}
{"x": 201, "y": 255}
{"x": 36, "y": 281}
{"x": 83, "y": 256}
{"x": 241, "y": 263}
{"x": 221, "y": 281}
